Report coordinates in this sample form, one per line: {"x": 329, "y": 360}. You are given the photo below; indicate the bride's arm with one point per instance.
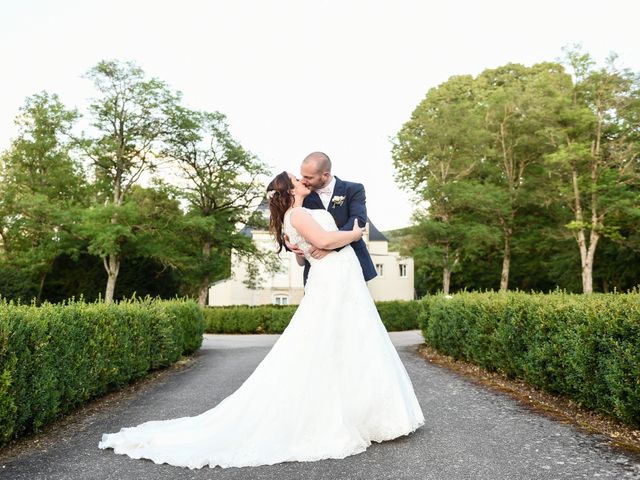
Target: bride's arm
{"x": 320, "y": 238}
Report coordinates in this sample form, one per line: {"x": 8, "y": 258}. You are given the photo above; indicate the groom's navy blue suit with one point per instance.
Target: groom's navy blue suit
{"x": 353, "y": 206}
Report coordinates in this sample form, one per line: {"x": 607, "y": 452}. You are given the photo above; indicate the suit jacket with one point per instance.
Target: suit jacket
{"x": 354, "y": 206}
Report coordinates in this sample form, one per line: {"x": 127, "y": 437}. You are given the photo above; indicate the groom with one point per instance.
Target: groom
{"x": 345, "y": 201}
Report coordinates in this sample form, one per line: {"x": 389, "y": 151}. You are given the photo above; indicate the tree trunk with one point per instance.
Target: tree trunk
{"x": 586, "y": 255}
{"x": 112, "y": 266}
{"x": 588, "y": 252}
{"x": 509, "y": 166}
{"x": 446, "y": 280}
{"x": 204, "y": 285}
{"x": 446, "y": 271}
{"x": 203, "y": 292}
{"x": 506, "y": 260}
{"x": 587, "y": 265}
{"x": 41, "y": 287}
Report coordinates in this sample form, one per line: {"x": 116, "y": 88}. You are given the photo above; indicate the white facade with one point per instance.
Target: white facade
{"x": 394, "y": 282}
{"x": 395, "y": 273}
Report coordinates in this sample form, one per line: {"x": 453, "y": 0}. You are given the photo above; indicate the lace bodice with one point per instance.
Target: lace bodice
{"x": 323, "y": 218}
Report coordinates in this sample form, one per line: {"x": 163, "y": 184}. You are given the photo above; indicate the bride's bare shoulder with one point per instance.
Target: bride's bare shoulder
{"x": 297, "y": 211}
{"x": 298, "y": 214}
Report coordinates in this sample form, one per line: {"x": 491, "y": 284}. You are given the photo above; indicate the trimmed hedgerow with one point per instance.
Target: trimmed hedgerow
{"x": 584, "y": 346}
{"x": 53, "y": 358}
{"x": 399, "y": 315}
{"x": 248, "y": 319}
{"x": 395, "y": 315}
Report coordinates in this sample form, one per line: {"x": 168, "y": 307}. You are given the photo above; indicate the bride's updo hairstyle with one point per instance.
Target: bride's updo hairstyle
{"x": 280, "y": 200}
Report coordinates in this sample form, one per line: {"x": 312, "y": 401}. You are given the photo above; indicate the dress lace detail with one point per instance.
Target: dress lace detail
{"x": 323, "y": 217}
{"x": 332, "y": 384}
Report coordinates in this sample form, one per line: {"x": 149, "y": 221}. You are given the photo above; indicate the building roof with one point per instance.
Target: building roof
{"x": 375, "y": 235}
{"x": 264, "y": 208}
{"x": 247, "y": 231}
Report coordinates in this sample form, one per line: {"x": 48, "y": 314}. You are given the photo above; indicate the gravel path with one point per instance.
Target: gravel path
{"x": 470, "y": 432}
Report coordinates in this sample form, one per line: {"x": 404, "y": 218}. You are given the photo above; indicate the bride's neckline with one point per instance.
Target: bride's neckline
{"x": 291, "y": 209}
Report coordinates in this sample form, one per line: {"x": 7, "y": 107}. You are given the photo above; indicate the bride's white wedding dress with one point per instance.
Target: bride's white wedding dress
{"x": 331, "y": 385}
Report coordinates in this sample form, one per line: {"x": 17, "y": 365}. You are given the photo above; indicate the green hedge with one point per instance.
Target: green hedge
{"x": 53, "y": 358}
{"x": 399, "y": 315}
{"x": 584, "y": 346}
{"x": 396, "y": 316}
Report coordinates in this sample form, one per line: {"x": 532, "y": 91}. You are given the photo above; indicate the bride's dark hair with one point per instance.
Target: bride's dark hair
{"x": 280, "y": 200}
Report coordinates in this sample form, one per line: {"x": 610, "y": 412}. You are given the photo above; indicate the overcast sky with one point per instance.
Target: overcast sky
{"x": 294, "y": 76}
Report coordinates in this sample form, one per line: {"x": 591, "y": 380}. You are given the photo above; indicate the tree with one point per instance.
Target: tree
{"x": 130, "y": 118}
{"x": 150, "y": 228}
{"x": 536, "y": 154}
{"x": 42, "y": 188}
{"x": 596, "y": 157}
{"x": 437, "y": 155}
{"x": 517, "y": 103}
{"x": 222, "y": 190}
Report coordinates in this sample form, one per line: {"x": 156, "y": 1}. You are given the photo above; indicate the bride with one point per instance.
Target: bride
{"x": 331, "y": 384}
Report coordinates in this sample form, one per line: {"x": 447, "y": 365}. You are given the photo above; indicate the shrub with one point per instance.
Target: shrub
{"x": 55, "y": 357}
{"x": 396, "y": 316}
{"x": 584, "y": 346}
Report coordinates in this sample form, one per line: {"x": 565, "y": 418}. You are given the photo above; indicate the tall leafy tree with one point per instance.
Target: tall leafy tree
{"x": 149, "y": 231}
{"x": 129, "y": 119}
{"x": 596, "y": 156}
{"x": 518, "y": 102}
{"x": 536, "y": 152}
{"x": 43, "y": 188}
{"x": 438, "y": 156}
{"x": 222, "y": 188}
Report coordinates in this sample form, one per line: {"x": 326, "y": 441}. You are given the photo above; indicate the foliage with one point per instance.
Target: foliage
{"x": 395, "y": 315}
{"x": 53, "y": 358}
{"x": 17, "y": 283}
{"x": 594, "y": 166}
{"x": 150, "y": 225}
{"x": 53, "y": 214}
{"x": 129, "y": 120}
{"x": 514, "y": 165}
{"x": 42, "y": 189}
{"x": 222, "y": 190}
{"x": 84, "y": 277}
{"x": 437, "y": 155}
{"x": 585, "y": 347}
{"x": 510, "y": 170}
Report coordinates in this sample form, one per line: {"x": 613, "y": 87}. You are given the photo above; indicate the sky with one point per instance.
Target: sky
{"x": 296, "y": 76}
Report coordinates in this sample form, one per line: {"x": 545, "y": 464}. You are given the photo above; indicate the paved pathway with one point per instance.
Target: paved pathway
{"x": 470, "y": 433}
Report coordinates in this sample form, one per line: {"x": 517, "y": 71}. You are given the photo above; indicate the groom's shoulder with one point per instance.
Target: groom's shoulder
{"x": 351, "y": 185}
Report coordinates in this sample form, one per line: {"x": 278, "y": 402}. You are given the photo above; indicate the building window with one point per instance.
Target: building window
{"x": 403, "y": 269}
{"x": 281, "y": 300}
{"x": 379, "y": 269}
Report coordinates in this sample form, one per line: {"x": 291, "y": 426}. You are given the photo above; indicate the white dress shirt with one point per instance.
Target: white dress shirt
{"x": 326, "y": 193}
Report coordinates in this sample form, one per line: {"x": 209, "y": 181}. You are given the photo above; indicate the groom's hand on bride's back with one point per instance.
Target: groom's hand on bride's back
{"x": 358, "y": 231}
{"x": 293, "y": 246}
{"x": 318, "y": 253}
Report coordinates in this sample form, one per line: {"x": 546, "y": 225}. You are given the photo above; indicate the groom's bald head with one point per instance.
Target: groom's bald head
{"x": 316, "y": 170}
{"x": 319, "y": 160}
